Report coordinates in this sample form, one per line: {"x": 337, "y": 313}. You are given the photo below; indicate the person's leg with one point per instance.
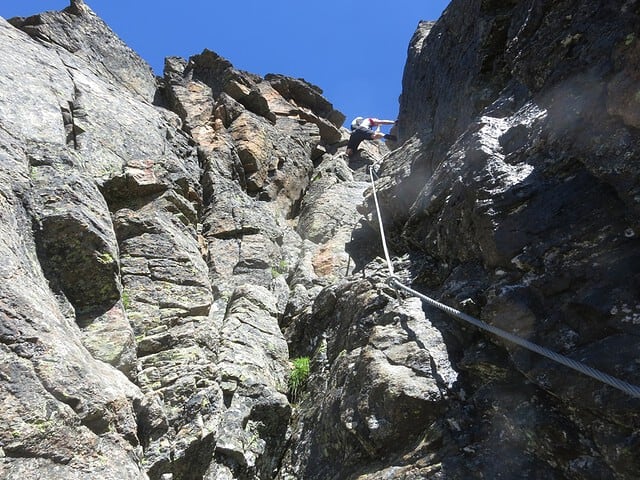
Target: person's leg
{"x": 357, "y": 136}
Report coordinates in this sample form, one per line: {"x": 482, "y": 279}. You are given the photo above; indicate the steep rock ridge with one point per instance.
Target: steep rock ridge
{"x": 527, "y": 217}
{"x": 168, "y": 244}
{"x": 259, "y": 151}
{"x": 64, "y": 409}
{"x": 151, "y": 255}
{"x": 80, "y": 32}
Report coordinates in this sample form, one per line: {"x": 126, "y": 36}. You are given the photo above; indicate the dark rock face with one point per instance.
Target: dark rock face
{"x": 169, "y": 244}
{"x": 530, "y": 207}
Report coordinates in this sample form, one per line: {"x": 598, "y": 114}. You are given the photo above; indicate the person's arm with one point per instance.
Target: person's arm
{"x": 377, "y": 121}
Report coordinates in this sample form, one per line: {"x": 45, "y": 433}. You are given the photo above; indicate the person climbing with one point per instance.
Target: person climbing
{"x": 361, "y": 129}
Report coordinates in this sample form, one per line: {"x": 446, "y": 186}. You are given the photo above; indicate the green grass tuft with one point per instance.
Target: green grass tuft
{"x": 298, "y": 378}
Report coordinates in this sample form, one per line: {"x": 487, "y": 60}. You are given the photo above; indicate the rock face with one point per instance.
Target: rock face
{"x": 529, "y": 219}
{"x": 170, "y": 244}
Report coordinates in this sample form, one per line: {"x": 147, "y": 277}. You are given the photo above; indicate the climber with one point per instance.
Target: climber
{"x": 361, "y": 129}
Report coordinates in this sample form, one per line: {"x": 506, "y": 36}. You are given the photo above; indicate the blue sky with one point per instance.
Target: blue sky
{"x": 354, "y": 50}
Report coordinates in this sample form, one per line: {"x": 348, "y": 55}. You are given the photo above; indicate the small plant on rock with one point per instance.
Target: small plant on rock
{"x": 298, "y": 378}
{"x": 126, "y": 300}
{"x": 105, "y": 258}
{"x": 280, "y": 269}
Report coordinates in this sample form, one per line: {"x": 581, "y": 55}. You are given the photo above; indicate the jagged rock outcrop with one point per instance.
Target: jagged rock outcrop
{"x": 147, "y": 254}
{"x": 169, "y": 244}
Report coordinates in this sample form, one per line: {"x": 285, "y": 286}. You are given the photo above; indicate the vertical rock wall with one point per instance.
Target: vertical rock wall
{"x": 150, "y": 255}
{"x": 169, "y": 244}
{"x": 527, "y": 217}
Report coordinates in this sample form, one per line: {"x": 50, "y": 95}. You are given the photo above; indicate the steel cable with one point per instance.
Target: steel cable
{"x": 393, "y": 281}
